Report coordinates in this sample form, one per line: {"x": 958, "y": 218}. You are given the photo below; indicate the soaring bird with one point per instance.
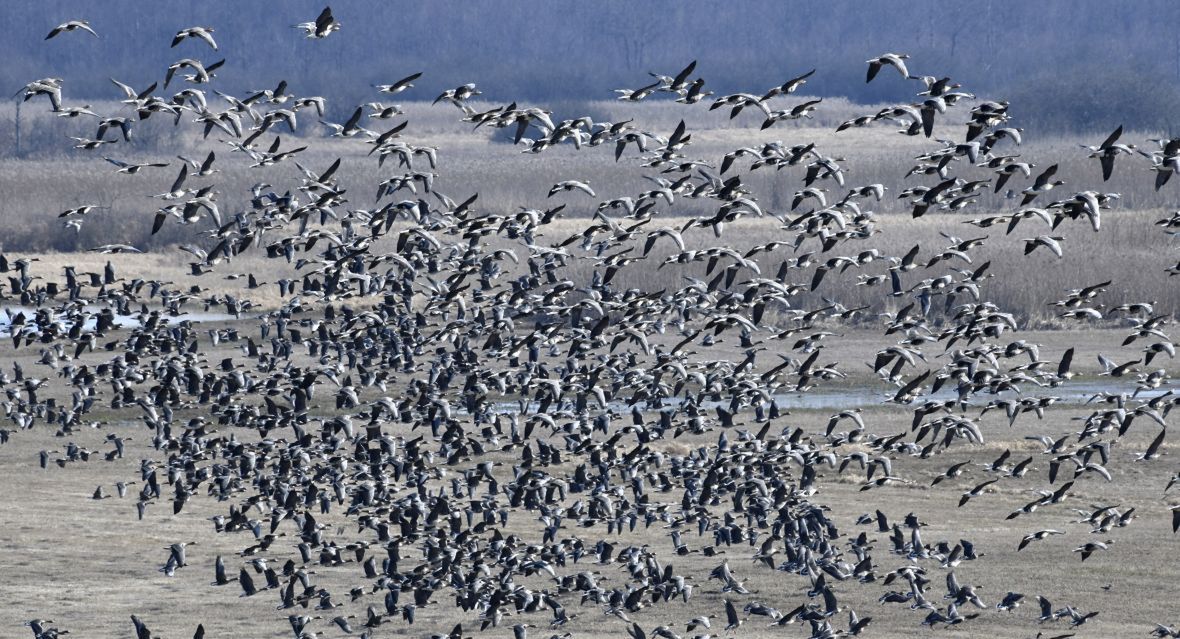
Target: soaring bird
{"x": 1108, "y": 150}
{"x": 203, "y": 33}
{"x": 571, "y": 185}
{"x": 732, "y": 621}
{"x": 107, "y": 249}
{"x": 1053, "y": 243}
{"x": 1037, "y": 536}
{"x": 1090, "y": 548}
{"x": 131, "y": 169}
{"x": 72, "y": 25}
{"x": 400, "y": 85}
{"x": 324, "y": 25}
{"x": 895, "y": 60}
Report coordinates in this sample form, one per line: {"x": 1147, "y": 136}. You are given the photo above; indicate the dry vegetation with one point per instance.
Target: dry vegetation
{"x": 1131, "y": 251}
{"x": 1024, "y": 286}
{"x": 90, "y": 564}
{"x": 445, "y": 364}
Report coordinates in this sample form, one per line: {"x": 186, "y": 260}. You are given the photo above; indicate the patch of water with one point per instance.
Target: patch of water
{"x": 122, "y": 321}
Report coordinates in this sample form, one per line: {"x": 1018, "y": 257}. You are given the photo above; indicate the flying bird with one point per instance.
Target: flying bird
{"x": 895, "y": 60}
{"x": 71, "y": 26}
{"x": 325, "y": 25}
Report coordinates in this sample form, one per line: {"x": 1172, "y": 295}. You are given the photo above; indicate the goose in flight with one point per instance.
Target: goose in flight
{"x": 679, "y": 82}
{"x": 975, "y": 492}
{"x": 72, "y": 25}
{"x": 895, "y": 60}
{"x": 77, "y": 211}
{"x": 88, "y": 144}
{"x": 794, "y": 113}
{"x": 1108, "y": 150}
{"x": 43, "y": 630}
{"x": 107, "y": 249}
{"x": 201, "y": 73}
{"x": 131, "y": 169}
{"x": 1164, "y": 163}
{"x": 739, "y": 101}
{"x": 571, "y": 185}
{"x": 399, "y": 86}
{"x": 1053, "y": 243}
{"x": 635, "y": 95}
{"x": 694, "y": 92}
{"x": 1092, "y": 547}
{"x": 459, "y": 94}
{"x": 1042, "y": 184}
{"x": 1037, "y": 536}
{"x": 788, "y": 87}
{"x": 177, "y": 190}
{"x": 731, "y": 617}
{"x": 953, "y": 471}
{"x": 1010, "y": 602}
{"x": 325, "y": 24}
{"x": 383, "y": 112}
{"x": 73, "y": 112}
{"x": 350, "y": 128}
{"x": 201, "y": 169}
{"x": 203, "y": 33}
{"x": 141, "y": 629}
{"x": 1162, "y": 632}
{"x": 49, "y": 87}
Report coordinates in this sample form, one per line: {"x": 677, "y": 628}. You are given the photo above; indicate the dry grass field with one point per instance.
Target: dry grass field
{"x": 89, "y": 563}
{"x": 34, "y": 189}
{"x": 1118, "y": 254}
{"x": 643, "y": 394}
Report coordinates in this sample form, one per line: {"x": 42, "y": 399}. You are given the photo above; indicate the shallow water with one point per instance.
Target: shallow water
{"x": 1073, "y": 392}
{"x": 123, "y": 321}
{"x": 1078, "y": 392}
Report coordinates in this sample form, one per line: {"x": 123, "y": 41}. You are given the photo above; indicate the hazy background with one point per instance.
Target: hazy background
{"x": 1060, "y": 61}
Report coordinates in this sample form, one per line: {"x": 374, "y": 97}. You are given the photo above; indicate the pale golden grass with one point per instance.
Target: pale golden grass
{"x": 1129, "y": 250}
{"x": 89, "y": 564}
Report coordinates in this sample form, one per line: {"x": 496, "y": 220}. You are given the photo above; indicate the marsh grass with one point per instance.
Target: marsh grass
{"x": 104, "y": 563}
{"x": 1129, "y": 250}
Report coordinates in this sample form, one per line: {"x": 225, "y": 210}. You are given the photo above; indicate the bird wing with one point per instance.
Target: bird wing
{"x": 1112, "y": 138}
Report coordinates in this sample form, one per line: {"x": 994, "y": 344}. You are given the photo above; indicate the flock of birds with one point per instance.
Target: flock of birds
{"x": 435, "y": 376}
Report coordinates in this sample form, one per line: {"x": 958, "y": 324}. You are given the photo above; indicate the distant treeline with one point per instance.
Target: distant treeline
{"x": 1067, "y": 65}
